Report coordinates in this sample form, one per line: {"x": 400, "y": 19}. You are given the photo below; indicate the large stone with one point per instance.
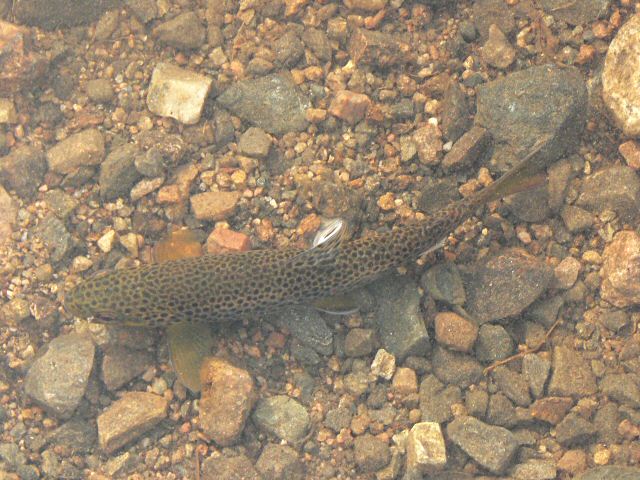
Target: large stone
{"x": 214, "y": 205}
{"x": 184, "y": 31}
{"x": 58, "y": 379}
{"x": 576, "y": 12}
{"x": 616, "y": 188}
{"x": 571, "y": 375}
{"x": 120, "y": 365}
{"x": 78, "y": 150}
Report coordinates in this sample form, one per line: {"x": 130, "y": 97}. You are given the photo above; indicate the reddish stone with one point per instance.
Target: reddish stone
{"x": 349, "y": 106}
{"x": 551, "y": 409}
{"x": 223, "y": 240}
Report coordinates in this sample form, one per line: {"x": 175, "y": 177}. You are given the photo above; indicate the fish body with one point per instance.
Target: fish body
{"x": 219, "y": 287}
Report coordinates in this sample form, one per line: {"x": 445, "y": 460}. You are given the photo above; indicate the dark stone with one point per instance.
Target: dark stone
{"x": 144, "y": 10}
{"x": 229, "y": 468}
{"x": 51, "y": 14}
{"x": 318, "y": 42}
{"x": 289, "y": 49}
{"x": 280, "y": 462}
{"x": 501, "y": 411}
{"x": 455, "y": 368}
{"x": 574, "y": 430}
{"x": 616, "y": 188}
{"x": 577, "y": 12}
{"x": 118, "y": 172}
{"x": 436, "y": 400}
{"x": 56, "y": 238}
{"x": 571, "y": 374}
{"x": 338, "y": 418}
{"x": 307, "y": 325}
{"x": 513, "y": 385}
{"x": 473, "y": 146}
{"x": 488, "y": 12}
{"x": 184, "y": 31}
{"x": 371, "y": 453}
{"x": 437, "y": 194}
{"x": 622, "y": 387}
{"x": 456, "y": 118}
{"x": 77, "y": 434}
{"x": 23, "y": 171}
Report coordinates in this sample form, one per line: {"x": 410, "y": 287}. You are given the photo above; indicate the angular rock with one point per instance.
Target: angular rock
{"x": 493, "y": 12}
{"x": 120, "y": 365}
{"x": 58, "y": 379}
{"x": 282, "y": 417}
{"x": 494, "y": 343}
{"x": 349, "y": 106}
{"x": 214, "y": 206}
{"x": 60, "y": 202}
{"x": 492, "y": 447}
{"x": 13, "y": 167}
{"x": 576, "y": 219}
{"x": 185, "y": 31}
{"x": 359, "y": 342}
{"x": 436, "y": 400}
{"x": 534, "y": 469}
{"x": 622, "y": 387}
{"x": 536, "y": 370}
{"x": 383, "y": 365}
{"x": 126, "y": 419}
{"x": 288, "y": 49}
{"x": 371, "y": 453}
{"x": 81, "y": 149}
{"x": 610, "y": 472}
{"x": 456, "y": 117}
{"x": 232, "y": 468}
{"x": 428, "y": 143}
{"x": 79, "y": 435}
{"x": 616, "y": 188}
{"x": 497, "y": 51}
{"x": 574, "y": 430}
{"x": 280, "y": 462}
{"x": 99, "y": 90}
{"x": 620, "y": 270}
{"x": 254, "y": 143}
{"x": 318, "y": 42}
{"x": 426, "y": 450}
{"x": 118, "y": 172}
{"x": 470, "y": 148}
{"x": 307, "y": 325}
{"x": 571, "y": 374}
{"x": 56, "y": 238}
{"x": 455, "y": 368}
{"x": 144, "y": 10}
{"x": 513, "y": 385}
{"x": 379, "y": 49}
{"x": 551, "y": 409}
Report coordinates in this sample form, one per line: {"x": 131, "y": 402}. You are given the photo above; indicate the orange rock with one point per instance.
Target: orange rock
{"x": 178, "y": 244}
{"x": 223, "y": 240}
{"x": 551, "y": 409}
{"x": 349, "y": 106}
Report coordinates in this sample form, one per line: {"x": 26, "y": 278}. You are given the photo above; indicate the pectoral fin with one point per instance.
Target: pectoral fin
{"x": 189, "y": 344}
{"x": 337, "y": 304}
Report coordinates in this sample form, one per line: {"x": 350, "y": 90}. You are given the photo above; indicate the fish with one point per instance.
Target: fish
{"x": 214, "y": 288}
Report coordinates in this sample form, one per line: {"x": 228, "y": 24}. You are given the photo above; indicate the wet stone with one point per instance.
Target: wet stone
{"x": 405, "y": 381}
{"x": 426, "y": 449}
{"x": 58, "y": 379}
{"x": 574, "y": 430}
{"x": 77, "y": 434}
{"x": 282, "y": 417}
{"x": 531, "y": 205}
{"x": 536, "y": 370}
{"x": 307, "y": 325}
{"x": 470, "y": 148}
{"x": 214, "y": 206}
{"x": 494, "y": 343}
{"x": 359, "y": 342}
{"x": 576, "y": 219}
{"x": 8, "y": 112}
{"x": 428, "y": 141}
{"x": 13, "y": 167}
{"x": 349, "y": 106}
{"x": 288, "y": 49}
{"x": 15, "y": 311}
{"x": 318, "y": 42}
{"x": 120, "y": 365}
{"x": 501, "y": 411}
{"x": 338, "y": 418}
{"x": 534, "y": 469}
{"x": 513, "y": 385}
{"x": 476, "y": 401}
{"x": 436, "y": 400}
{"x": 273, "y": 103}
{"x": 610, "y": 472}
{"x": 437, "y": 194}
{"x": 456, "y": 118}
{"x": 378, "y": 49}
{"x": 516, "y": 278}
{"x": 50, "y": 14}
{"x": 566, "y": 272}
{"x": 551, "y": 409}
{"x": 578, "y": 12}
{"x": 371, "y": 453}
{"x": 630, "y": 150}
{"x": 118, "y": 173}
{"x": 489, "y": 12}
{"x": 78, "y": 150}
{"x": 144, "y": 10}
{"x": 616, "y": 188}
{"x": 128, "y": 418}
{"x": 177, "y": 93}
{"x": 60, "y": 202}
{"x": 225, "y": 386}
{"x": 100, "y": 90}
{"x": 255, "y": 142}
{"x": 184, "y": 31}
{"x": 455, "y": 332}
{"x": 491, "y": 447}
{"x": 232, "y": 468}
{"x": 56, "y": 238}
{"x": 620, "y": 272}
{"x": 456, "y": 368}
{"x": 280, "y": 462}
{"x": 546, "y": 311}
{"x": 622, "y": 388}
{"x": 383, "y": 365}
{"x": 571, "y": 374}
{"x": 497, "y": 51}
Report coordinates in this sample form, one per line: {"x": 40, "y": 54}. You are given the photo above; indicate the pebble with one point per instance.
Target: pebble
{"x": 81, "y": 264}
{"x": 371, "y": 453}
{"x": 384, "y": 364}
{"x": 222, "y": 240}
{"x": 78, "y": 150}
{"x": 573, "y": 462}
{"x": 436, "y": 400}
{"x": 571, "y": 375}
{"x": 338, "y": 418}
{"x": 13, "y": 167}
{"x": 120, "y": 365}
{"x": 8, "y": 112}
{"x": 456, "y": 117}
{"x": 630, "y": 150}
{"x": 366, "y": 5}
{"x": 455, "y": 332}
{"x": 497, "y": 51}
{"x": 513, "y": 385}
{"x": 280, "y": 462}
{"x": 288, "y": 49}
{"x": 574, "y": 430}
{"x": 144, "y": 10}
{"x": 534, "y": 469}
{"x": 494, "y": 343}
{"x": 307, "y": 325}
{"x": 615, "y": 188}
{"x": 128, "y": 418}
{"x": 405, "y": 381}
{"x": 233, "y": 468}
{"x": 185, "y": 31}
{"x": 610, "y": 472}
{"x": 57, "y": 13}
{"x": 53, "y": 232}
{"x": 621, "y": 387}
{"x": 282, "y": 417}
{"x": 576, "y": 219}
{"x": 551, "y": 409}
{"x": 488, "y": 12}
{"x": 145, "y": 187}
{"x": 61, "y": 203}
{"x": 566, "y": 272}
{"x": 223, "y": 386}
{"x": 378, "y": 49}
{"x": 455, "y": 367}
{"x": 578, "y": 13}
{"x": 57, "y": 380}
{"x": 107, "y": 241}
{"x": 273, "y": 103}
{"x": 428, "y": 142}
{"x": 620, "y": 272}
{"x": 349, "y": 106}
{"x": 178, "y": 93}
{"x": 535, "y": 369}
{"x": 492, "y": 447}
{"x": 118, "y": 173}
{"x": 15, "y": 311}
{"x": 476, "y": 402}
{"x": 426, "y": 449}
{"x": 621, "y": 70}
{"x": 99, "y": 90}
{"x": 471, "y": 146}
{"x": 255, "y": 142}
{"x": 214, "y": 206}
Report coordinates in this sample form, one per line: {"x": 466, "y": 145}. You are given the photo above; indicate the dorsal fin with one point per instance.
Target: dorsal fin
{"x": 325, "y": 247}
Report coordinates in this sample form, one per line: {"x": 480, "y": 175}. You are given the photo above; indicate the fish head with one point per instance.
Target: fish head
{"x": 92, "y": 300}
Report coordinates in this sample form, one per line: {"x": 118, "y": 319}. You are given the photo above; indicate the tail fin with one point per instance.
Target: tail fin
{"x": 524, "y": 176}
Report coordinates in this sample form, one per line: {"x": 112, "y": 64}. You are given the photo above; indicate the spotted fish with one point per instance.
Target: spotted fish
{"x": 218, "y": 287}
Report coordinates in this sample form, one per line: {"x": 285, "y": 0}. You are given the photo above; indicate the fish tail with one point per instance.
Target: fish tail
{"x": 524, "y": 176}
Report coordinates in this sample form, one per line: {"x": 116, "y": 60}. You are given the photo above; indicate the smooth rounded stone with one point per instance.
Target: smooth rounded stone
{"x": 255, "y": 142}
{"x": 492, "y": 447}
{"x": 622, "y": 387}
{"x": 551, "y": 409}
{"x": 318, "y": 42}
{"x": 239, "y": 467}
{"x": 535, "y": 369}
{"x": 497, "y": 51}
{"x": 620, "y": 270}
{"x": 455, "y": 332}
{"x": 476, "y": 402}
{"x": 128, "y": 418}
{"x": 288, "y": 49}
{"x": 535, "y": 469}
{"x": 426, "y": 449}
{"x": 338, "y": 418}
{"x": 490, "y": 12}
{"x": 566, "y": 272}
{"x": 282, "y": 417}
{"x": 349, "y": 106}
{"x": 574, "y": 430}
{"x": 359, "y": 342}
{"x": 456, "y": 117}
{"x": 58, "y": 379}
{"x": 120, "y": 365}
{"x": 78, "y": 150}
{"x": 51, "y": 14}
{"x": 428, "y": 141}
{"x": 528, "y": 105}
{"x": 99, "y": 90}
{"x": 494, "y": 343}
{"x": 571, "y": 375}
{"x": 516, "y": 279}
{"x": 436, "y": 400}
{"x": 214, "y": 206}
{"x": 513, "y": 385}
{"x": 613, "y": 188}
{"x": 371, "y": 453}
{"x": 610, "y": 472}
{"x": 185, "y": 31}
{"x": 118, "y": 172}
{"x": 144, "y": 10}
{"x": 384, "y": 364}
{"x": 225, "y": 386}
{"x": 501, "y": 411}
{"x": 576, "y": 219}
{"x": 401, "y": 328}
{"x": 77, "y": 434}
{"x": 308, "y": 326}
{"x": 273, "y": 103}
{"x": 620, "y": 77}
{"x": 177, "y": 93}
{"x": 455, "y": 368}
{"x": 13, "y": 167}
{"x": 470, "y": 147}
{"x": 280, "y": 462}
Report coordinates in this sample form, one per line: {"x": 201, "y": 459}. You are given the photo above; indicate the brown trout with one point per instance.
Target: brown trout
{"x": 219, "y": 287}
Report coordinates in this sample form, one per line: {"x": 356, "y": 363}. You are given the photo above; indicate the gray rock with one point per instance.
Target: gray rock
{"x": 359, "y": 342}
{"x": 488, "y": 12}
{"x": 472, "y": 147}
{"x": 528, "y": 105}
{"x": 118, "y": 172}
{"x": 318, "y": 42}
{"x": 338, "y": 418}
{"x": 60, "y": 202}
{"x": 571, "y": 374}
{"x": 436, "y": 400}
{"x": 546, "y": 311}
{"x": 476, "y": 401}
{"x": 558, "y": 176}
{"x": 58, "y": 379}
{"x": 610, "y": 472}
{"x": 282, "y": 417}
{"x": 371, "y": 453}
{"x": 536, "y": 370}
{"x": 534, "y": 469}
{"x": 11, "y": 455}
{"x": 307, "y": 325}
{"x": 231, "y": 468}
{"x": 273, "y": 103}
{"x": 492, "y": 447}
{"x": 401, "y": 328}
{"x": 576, "y": 219}
{"x": 493, "y": 343}
{"x": 56, "y": 238}
{"x": 444, "y": 284}
{"x": 455, "y": 367}
{"x": 106, "y": 25}
{"x": 184, "y": 31}
{"x": 81, "y": 149}
{"x": 516, "y": 279}
{"x": 501, "y": 411}
{"x": 99, "y": 90}
{"x": 289, "y": 49}
{"x": 144, "y": 10}
{"x": 120, "y": 365}
{"x": 531, "y": 205}
{"x": 621, "y": 387}
{"x": 52, "y": 14}
{"x": 255, "y": 143}
{"x": 456, "y": 118}
{"x": 574, "y": 430}
{"x": 378, "y": 49}
{"x": 513, "y": 385}
{"x": 279, "y": 462}
{"x": 437, "y": 194}
{"x": 23, "y": 171}
{"x": 616, "y": 188}
{"x": 79, "y": 435}
{"x": 606, "y": 421}
{"x": 577, "y": 12}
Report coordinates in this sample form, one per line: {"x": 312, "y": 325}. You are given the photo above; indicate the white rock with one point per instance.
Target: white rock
{"x": 426, "y": 451}
{"x": 106, "y": 241}
{"x": 384, "y": 364}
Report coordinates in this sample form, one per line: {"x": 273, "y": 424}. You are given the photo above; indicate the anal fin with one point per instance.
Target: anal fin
{"x": 189, "y": 344}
